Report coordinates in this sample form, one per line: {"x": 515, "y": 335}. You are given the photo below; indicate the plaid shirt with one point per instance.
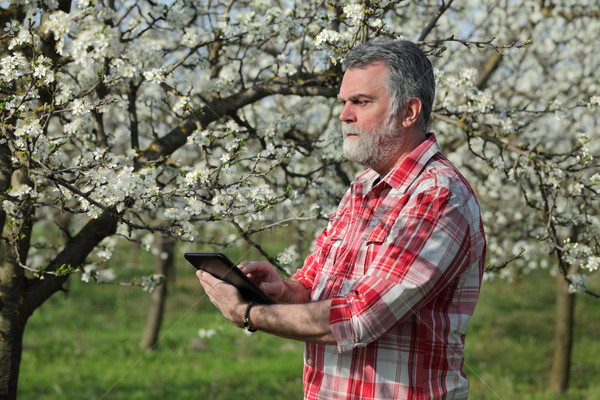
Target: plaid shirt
{"x": 402, "y": 261}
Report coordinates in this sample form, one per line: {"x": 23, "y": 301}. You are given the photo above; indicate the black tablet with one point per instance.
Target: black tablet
{"x": 219, "y": 266}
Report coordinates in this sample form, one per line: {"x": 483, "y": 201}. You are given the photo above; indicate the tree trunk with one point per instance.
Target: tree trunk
{"x": 12, "y": 326}
{"x": 563, "y": 339}
{"x": 14, "y": 307}
{"x": 163, "y": 266}
{"x": 13, "y": 317}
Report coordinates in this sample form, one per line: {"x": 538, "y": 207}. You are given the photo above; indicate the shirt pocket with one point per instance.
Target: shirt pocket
{"x": 332, "y": 244}
{"x": 375, "y": 238}
{"x": 327, "y": 275}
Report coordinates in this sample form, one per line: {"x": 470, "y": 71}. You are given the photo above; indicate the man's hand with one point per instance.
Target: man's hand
{"x": 265, "y": 276}
{"x": 224, "y": 296}
{"x": 303, "y": 320}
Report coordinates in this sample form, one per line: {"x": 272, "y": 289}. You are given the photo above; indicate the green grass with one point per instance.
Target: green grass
{"x": 85, "y": 345}
{"x": 509, "y": 345}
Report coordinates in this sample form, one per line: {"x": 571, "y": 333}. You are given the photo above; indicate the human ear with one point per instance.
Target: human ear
{"x": 411, "y": 112}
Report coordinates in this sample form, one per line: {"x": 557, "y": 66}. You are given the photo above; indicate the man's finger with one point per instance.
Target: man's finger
{"x": 207, "y": 278}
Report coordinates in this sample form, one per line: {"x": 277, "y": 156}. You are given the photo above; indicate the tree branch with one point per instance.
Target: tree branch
{"x": 132, "y": 112}
{"x": 246, "y": 236}
{"x": 480, "y": 44}
{"x": 314, "y": 85}
{"x": 441, "y": 10}
{"x": 74, "y": 255}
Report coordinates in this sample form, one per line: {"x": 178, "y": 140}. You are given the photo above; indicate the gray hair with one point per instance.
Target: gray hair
{"x": 410, "y": 73}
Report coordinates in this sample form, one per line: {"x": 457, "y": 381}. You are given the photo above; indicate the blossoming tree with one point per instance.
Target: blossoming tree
{"x": 121, "y": 119}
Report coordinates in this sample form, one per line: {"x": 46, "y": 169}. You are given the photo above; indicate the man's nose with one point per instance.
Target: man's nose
{"x": 347, "y": 114}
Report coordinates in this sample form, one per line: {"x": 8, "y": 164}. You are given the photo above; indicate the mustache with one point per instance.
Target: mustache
{"x": 348, "y": 129}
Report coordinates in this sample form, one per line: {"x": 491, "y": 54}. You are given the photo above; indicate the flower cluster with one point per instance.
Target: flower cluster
{"x": 14, "y": 66}
{"x": 93, "y": 274}
{"x": 327, "y": 36}
{"x": 289, "y": 255}
{"x": 579, "y": 283}
{"x": 354, "y": 12}
{"x": 149, "y": 283}
{"x": 580, "y": 254}
{"x": 59, "y": 24}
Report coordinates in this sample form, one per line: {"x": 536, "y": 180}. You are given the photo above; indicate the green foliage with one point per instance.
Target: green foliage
{"x": 84, "y": 345}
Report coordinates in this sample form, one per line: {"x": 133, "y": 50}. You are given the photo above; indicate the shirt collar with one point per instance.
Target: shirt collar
{"x": 402, "y": 175}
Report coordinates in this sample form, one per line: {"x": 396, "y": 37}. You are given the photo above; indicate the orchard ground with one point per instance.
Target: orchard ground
{"x": 85, "y": 345}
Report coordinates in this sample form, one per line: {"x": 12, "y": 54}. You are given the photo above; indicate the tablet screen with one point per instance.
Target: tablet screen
{"x": 219, "y": 266}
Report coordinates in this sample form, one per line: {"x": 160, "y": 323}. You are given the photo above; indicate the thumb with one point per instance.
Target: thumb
{"x": 207, "y": 277}
{"x": 273, "y": 289}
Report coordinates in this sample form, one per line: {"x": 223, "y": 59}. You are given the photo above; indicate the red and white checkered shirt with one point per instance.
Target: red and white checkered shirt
{"x": 402, "y": 261}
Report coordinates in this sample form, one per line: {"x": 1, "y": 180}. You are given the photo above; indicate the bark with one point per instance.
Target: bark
{"x": 563, "y": 337}
{"x": 14, "y": 245}
{"x": 12, "y": 326}
{"x": 163, "y": 266}
{"x": 12, "y": 320}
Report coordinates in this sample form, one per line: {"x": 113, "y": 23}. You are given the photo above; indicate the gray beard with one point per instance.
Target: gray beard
{"x": 373, "y": 148}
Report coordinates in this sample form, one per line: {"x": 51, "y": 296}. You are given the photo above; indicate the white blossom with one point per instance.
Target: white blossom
{"x": 206, "y": 333}
{"x": 154, "y": 75}
{"x": 42, "y": 69}
{"x": 187, "y": 231}
{"x": 354, "y": 12}
{"x": 200, "y": 137}
{"x": 575, "y": 188}
{"x": 578, "y": 283}
{"x": 592, "y": 264}
{"x": 92, "y": 273}
{"x": 23, "y": 37}
{"x": 149, "y": 283}
{"x": 24, "y": 192}
{"x": 95, "y": 43}
{"x": 232, "y": 126}
{"x": 13, "y": 66}
{"x": 583, "y": 138}
{"x": 289, "y": 256}
{"x": 147, "y": 241}
{"x": 327, "y": 36}
{"x": 11, "y": 27}
{"x": 556, "y": 177}
{"x": 182, "y": 104}
{"x": 79, "y": 107}
{"x": 195, "y": 207}
{"x": 106, "y": 248}
{"x": 59, "y": 23}
{"x": 225, "y": 158}
{"x": 11, "y": 210}
{"x": 190, "y": 38}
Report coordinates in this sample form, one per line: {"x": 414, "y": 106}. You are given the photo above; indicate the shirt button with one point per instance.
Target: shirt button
{"x": 309, "y": 361}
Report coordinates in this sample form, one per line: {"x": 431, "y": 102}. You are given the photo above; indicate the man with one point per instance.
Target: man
{"x": 384, "y": 300}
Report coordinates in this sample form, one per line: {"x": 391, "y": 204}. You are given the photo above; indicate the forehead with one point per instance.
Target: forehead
{"x": 367, "y": 80}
